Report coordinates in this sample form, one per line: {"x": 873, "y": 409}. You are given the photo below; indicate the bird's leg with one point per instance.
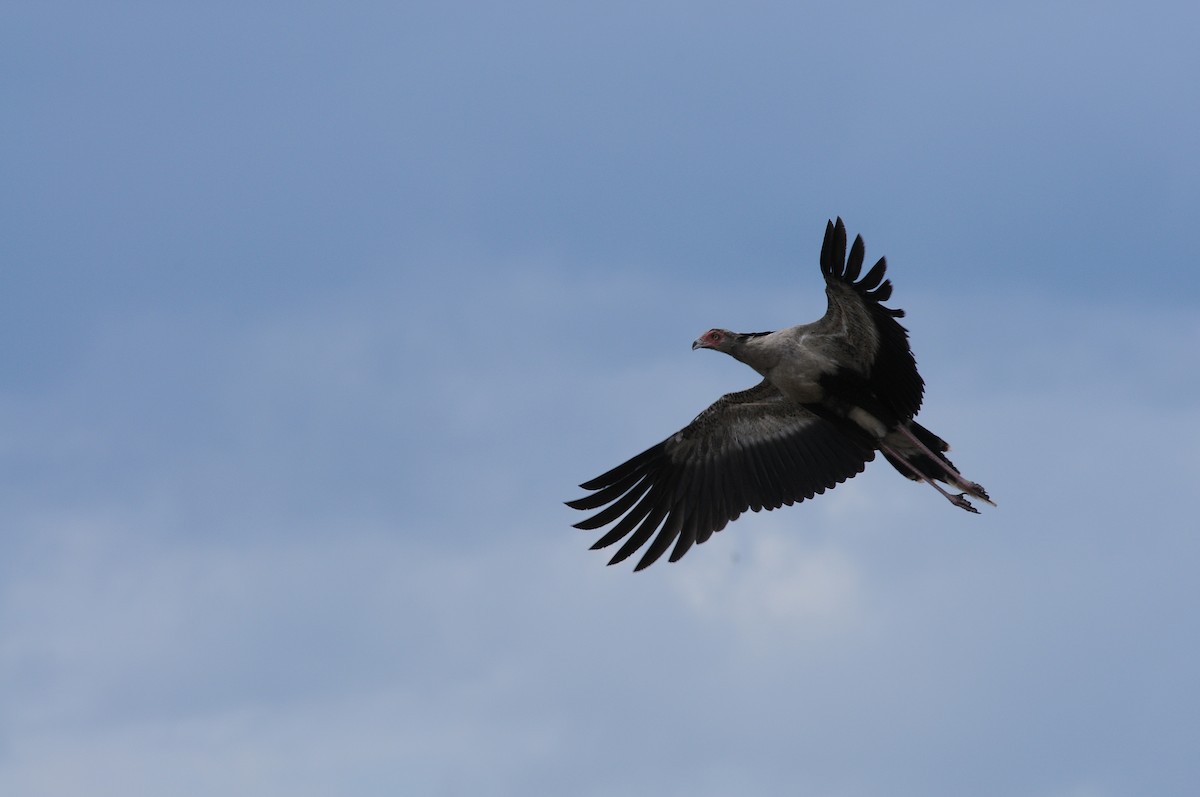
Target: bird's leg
{"x": 956, "y": 478}
{"x": 959, "y": 500}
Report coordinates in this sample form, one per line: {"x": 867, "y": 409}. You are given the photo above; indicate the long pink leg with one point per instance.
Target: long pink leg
{"x": 959, "y": 500}
{"x": 959, "y": 480}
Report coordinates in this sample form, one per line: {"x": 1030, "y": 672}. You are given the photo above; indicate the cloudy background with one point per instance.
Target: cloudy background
{"x": 311, "y": 316}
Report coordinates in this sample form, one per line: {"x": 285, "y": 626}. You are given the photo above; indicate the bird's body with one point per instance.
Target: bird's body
{"x": 833, "y": 392}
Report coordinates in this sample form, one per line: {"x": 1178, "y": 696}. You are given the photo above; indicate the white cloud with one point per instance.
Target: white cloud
{"x": 776, "y": 577}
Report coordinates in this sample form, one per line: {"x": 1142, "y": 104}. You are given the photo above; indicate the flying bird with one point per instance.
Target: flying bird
{"x": 833, "y": 393}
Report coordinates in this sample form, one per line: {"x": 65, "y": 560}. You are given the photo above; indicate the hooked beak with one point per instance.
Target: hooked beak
{"x": 697, "y": 344}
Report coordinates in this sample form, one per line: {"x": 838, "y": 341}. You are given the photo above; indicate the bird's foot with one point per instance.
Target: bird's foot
{"x": 976, "y": 489}
{"x": 961, "y": 502}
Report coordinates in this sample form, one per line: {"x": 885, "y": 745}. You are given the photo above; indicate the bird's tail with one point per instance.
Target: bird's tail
{"x": 919, "y": 454}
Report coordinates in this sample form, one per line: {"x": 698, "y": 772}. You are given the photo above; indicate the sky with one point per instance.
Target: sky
{"x": 313, "y": 314}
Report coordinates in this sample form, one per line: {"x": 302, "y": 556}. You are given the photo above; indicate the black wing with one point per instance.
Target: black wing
{"x": 750, "y": 450}
{"x": 891, "y": 377}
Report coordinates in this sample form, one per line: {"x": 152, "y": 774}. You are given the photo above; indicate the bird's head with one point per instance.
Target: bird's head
{"x": 719, "y": 339}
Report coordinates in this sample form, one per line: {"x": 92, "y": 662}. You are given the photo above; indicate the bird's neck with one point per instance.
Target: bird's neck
{"x": 756, "y": 351}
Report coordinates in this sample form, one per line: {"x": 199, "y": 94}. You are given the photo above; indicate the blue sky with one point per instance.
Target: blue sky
{"x": 311, "y": 316}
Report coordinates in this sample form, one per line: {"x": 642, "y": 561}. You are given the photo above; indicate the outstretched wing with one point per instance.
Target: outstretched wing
{"x": 750, "y": 450}
{"x": 888, "y": 380}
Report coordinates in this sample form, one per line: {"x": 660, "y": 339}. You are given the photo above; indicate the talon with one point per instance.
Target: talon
{"x": 977, "y": 490}
{"x": 961, "y": 502}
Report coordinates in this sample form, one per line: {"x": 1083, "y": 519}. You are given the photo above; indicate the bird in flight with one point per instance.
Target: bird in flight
{"x": 833, "y": 393}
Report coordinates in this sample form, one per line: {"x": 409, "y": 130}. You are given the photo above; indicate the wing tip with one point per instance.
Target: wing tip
{"x": 835, "y": 265}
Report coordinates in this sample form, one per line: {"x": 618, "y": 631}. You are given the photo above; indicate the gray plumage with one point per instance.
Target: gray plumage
{"x": 833, "y": 392}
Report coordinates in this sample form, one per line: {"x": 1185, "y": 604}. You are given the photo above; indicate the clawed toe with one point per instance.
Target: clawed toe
{"x": 961, "y": 502}
{"x": 978, "y": 491}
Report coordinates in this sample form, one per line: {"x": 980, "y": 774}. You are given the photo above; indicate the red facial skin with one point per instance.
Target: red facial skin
{"x": 712, "y": 339}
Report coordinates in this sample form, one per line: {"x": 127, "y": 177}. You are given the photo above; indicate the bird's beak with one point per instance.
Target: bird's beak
{"x": 696, "y": 344}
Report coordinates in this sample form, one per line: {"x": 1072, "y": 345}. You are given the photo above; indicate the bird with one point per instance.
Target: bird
{"x": 833, "y": 392}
